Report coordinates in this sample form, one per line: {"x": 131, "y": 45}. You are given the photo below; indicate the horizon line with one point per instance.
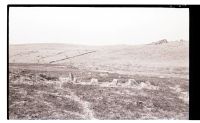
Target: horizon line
{"x": 95, "y": 44}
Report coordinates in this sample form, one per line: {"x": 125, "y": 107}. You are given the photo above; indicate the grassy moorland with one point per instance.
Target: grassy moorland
{"x": 39, "y": 89}
{"x": 39, "y": 94}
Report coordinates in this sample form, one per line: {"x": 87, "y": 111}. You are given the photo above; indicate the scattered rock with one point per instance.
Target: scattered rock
{"x": 71, "y": 76}
{"x": 132, "y": 82}
{"x": 148, "y": 83}
{"x": 94, "y": 81}
{"x": 115, "y": 81}
{"x": 65, "y": 79}
{"x": 75, "y": 80}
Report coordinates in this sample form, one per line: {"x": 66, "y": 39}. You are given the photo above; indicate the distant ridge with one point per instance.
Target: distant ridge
{"x": 165, "y": 41}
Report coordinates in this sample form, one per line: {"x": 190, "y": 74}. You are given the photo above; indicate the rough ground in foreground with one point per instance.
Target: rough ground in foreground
{"x": 45, "y": 99}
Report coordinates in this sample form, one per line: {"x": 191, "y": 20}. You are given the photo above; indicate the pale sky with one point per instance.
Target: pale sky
{"x": 97, "y": 26}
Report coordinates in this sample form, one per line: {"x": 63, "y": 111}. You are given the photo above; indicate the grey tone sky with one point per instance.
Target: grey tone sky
{"x": 97, "y": 26}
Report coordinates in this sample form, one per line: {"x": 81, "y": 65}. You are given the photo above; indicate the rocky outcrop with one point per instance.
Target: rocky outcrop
{"x": 163, "y": 41}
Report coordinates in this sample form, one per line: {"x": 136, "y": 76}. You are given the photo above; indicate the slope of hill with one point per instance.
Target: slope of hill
{"x": 130, "y": 58}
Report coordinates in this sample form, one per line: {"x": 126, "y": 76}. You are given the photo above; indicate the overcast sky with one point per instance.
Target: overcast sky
{"x": 97, "y": 26}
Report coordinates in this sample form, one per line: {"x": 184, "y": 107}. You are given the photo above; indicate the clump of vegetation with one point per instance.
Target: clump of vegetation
{"x": 48, "y": 77}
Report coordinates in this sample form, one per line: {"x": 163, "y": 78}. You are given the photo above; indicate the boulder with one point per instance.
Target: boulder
{"x": 94, "y": 81}
{"x": 132, "y": 82}
{"x": 64, "y": 79}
